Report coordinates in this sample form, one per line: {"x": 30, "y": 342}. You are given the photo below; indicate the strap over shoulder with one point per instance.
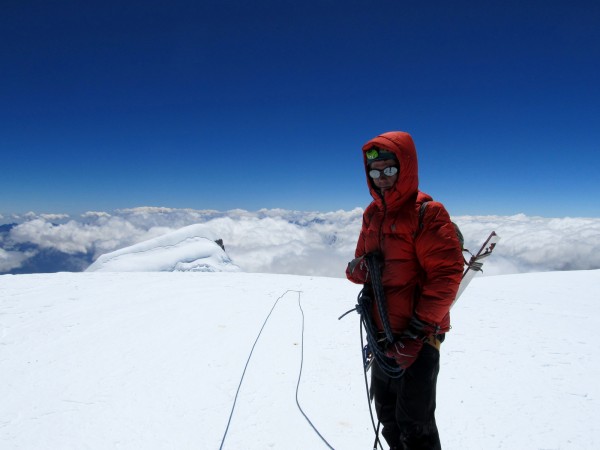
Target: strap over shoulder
{"x": 459, "y": 234}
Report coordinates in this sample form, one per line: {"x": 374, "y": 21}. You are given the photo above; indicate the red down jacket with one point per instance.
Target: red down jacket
{"x": 422, "y": 268}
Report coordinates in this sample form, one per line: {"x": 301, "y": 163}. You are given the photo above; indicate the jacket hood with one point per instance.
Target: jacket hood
{"x": 407, "y": 185}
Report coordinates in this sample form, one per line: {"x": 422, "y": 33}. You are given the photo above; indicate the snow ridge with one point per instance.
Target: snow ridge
{"x": 190, "y": 249}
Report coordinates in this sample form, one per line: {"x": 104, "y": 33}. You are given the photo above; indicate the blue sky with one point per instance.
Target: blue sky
{"x": 227, "y": 104}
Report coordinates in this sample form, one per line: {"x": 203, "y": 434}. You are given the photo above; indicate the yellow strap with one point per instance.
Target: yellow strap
{"x": 434, "y": 342}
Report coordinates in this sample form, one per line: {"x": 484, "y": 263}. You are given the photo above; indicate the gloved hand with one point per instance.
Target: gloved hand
{"x": 406, "y": 348}
{"x": 404, "y": 351}
{"x": 358, "y": 270}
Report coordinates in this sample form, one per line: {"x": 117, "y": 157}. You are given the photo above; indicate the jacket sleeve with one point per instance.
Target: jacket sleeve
{"x": 440, "y": 256}
{"x": 357, "y": 270}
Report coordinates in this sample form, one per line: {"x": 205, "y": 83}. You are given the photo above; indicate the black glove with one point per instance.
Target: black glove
{"x": 417, "y": 329}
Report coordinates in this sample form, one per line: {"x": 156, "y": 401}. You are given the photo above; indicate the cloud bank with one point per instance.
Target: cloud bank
{"x": 292, "y": 242}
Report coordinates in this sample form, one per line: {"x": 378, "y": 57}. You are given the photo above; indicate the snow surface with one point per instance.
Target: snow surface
{"x": 189, "y": 249}
{"x": 153, "y": 361}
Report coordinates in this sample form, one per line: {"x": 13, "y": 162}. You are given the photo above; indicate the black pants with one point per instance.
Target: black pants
{"x": 406, "y": 405}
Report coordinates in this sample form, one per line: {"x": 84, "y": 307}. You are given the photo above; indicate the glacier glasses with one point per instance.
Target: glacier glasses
{"x": 388, "y": 172}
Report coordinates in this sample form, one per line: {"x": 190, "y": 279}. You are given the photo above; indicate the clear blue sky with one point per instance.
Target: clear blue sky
{"x": 222, "y": 104}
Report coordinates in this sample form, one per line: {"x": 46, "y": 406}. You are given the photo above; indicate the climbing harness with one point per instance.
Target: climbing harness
{"x": 299, "y": 373}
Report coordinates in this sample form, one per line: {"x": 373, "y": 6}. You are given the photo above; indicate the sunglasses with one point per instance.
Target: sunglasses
{"x": 388, "y": 172}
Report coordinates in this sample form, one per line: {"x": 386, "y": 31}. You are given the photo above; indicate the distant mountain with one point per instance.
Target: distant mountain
{"x": 194, "y": 248}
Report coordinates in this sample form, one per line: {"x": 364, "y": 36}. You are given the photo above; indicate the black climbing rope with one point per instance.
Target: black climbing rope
{"x": 299, "y": 374}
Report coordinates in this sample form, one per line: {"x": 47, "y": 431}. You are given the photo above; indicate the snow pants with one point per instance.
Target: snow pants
{"x": 406, "y": 405}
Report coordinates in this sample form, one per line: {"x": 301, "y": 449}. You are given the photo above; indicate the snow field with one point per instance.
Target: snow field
{"x": 153, "y": 361}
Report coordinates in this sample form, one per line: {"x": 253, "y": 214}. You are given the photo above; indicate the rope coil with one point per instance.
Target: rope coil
{"x": 365, "y": 309}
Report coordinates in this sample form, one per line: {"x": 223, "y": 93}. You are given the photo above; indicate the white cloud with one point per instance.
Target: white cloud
{"x": 94, "y": 214}
{"x": 12, "y": 260}
{"x": 107, "y": 234}
{"x": 309, "y": 244}
{"x": 533, "y": 244}
{"x": 54, "y": 217}
{"x": 314, "y": 243}
{"x": 32, "y": 215}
